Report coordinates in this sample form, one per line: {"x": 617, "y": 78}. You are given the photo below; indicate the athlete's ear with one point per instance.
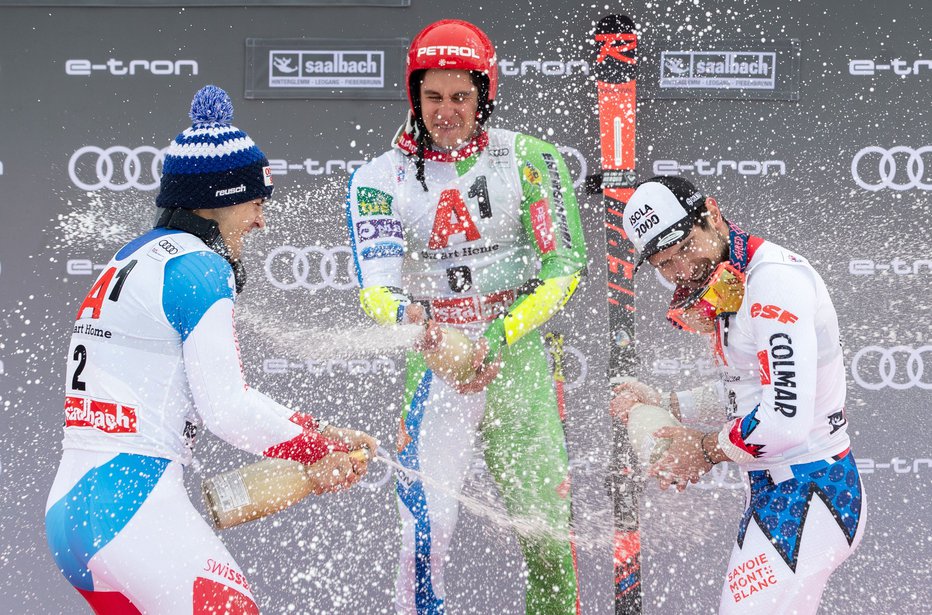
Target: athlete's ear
{"x": 715, "y": 214}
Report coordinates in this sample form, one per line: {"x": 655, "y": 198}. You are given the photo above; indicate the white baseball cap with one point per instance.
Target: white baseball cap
{"x": 660, "y": 214}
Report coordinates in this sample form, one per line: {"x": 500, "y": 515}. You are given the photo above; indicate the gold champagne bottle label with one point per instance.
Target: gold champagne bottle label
{"x": 258, "y": 490}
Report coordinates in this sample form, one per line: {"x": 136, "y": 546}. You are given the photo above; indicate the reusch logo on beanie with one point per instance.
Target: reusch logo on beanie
{"x": 213, "y": 164}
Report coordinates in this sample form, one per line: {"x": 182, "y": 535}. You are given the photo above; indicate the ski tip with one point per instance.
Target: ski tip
{"x": 615, "y": 24}
{"x": 616, "y": 59}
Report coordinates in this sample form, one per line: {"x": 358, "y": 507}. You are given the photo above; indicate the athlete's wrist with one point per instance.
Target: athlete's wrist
{"x": 706, "y": 454}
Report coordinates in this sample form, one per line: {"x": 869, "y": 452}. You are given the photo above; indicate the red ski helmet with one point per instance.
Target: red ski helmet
{"x": 452, "y": 44}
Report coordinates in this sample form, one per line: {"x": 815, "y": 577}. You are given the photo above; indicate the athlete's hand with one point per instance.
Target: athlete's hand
{"x": 621, "y": 403}
{"x": 354, "y": 441}
{"x": 332, "y": 473}
{"x": 627, "y": 394}
{"x": 683, "y": 462}
{"x": 432, "y": 337}
{"x": 415, "y": 314}
{"x": 486, "y": 371}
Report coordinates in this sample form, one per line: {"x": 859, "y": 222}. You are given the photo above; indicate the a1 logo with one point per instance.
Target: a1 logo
{"x": 452, "y": 219}
{"x": 452, "y": 204}
{"x": 95, "y": 298}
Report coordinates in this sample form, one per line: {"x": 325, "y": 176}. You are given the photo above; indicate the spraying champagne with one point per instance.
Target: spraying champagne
{"x": 271, "y": 485}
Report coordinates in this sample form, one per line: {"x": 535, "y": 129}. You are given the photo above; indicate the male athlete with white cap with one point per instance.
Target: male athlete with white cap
{"x": 774, "y": 334}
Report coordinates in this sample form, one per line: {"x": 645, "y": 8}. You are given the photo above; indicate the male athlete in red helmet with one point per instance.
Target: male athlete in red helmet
{"x": 477, "y": 229}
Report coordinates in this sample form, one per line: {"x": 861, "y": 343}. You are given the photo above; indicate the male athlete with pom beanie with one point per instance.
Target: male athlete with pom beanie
{"x": 153, "y": 356}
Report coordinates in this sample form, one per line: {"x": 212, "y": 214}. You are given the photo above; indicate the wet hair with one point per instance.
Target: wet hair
{"x": 423, "y": 140}
{"x": 701, "y": 216}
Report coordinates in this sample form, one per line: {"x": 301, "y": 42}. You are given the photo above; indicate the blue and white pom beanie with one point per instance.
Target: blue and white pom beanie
{"x": 213, "y": 164}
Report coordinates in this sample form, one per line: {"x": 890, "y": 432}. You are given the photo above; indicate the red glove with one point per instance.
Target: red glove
{"x": 307, "y": 447}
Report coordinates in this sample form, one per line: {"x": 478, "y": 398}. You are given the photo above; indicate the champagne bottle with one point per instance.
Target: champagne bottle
{"x": 643, "y": 421}
{"x": 258, "y": 490}
{"x": 450, "y": 357}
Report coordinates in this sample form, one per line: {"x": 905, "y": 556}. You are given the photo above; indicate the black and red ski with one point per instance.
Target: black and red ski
{"x": 616, "y": 78}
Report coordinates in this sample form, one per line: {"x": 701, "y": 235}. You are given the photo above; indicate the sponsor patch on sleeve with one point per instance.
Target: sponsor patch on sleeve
{"x": 764, "y": 362}
{"x": 531, "y": 174}
{"x": 543, "y": 226}
{"x": 376, "y": 228}
{"x": 383, "y": 249}
{"x": 773, "y": 312}
{"x": 373, "y": 202}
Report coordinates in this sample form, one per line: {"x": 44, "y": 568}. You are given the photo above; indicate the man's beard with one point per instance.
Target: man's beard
{"x": 707, "y": 266}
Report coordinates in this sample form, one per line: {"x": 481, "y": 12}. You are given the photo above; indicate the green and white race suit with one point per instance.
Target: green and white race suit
{"x": 494, "y": 247}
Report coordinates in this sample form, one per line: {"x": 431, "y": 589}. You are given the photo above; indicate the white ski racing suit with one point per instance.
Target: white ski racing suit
{"x": 153, "y": 355}
{"x": 782, "y": 369}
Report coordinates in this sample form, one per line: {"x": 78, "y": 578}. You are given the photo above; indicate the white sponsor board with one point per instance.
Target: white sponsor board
{"x": 718, "y": 69}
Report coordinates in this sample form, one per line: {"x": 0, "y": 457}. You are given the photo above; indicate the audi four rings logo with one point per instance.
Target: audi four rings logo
{"x": 568, "y": 151}
{"x": 576, "y": 370}
{"x": 116, "y": 168}
{"x": 875, "y": 168}
{"x": 898, "y": 367}
{"x": 313, "y": 268}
